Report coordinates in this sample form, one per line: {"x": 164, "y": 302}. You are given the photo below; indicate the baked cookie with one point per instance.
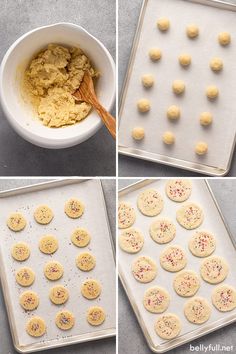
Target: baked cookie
{"x": 58, "y": 294}
{"x": 197, "y": 310}
{"x": 186, "y": 283}
{"x": 53, "y": 270}
{"x": 74, "y": 208}
{"x": 16, "y": 222}
{"x": 202, "y": 244}
{"x": 80, "y": 237}
{"x": 138, "y": 133}
{"x": 156, "y": 299}
{"x": 201, "y": 148}
{"x": 126, "y": 215}
{"x": 65, "y": 320}
{"x": 162, "y": 230}
{"x": 25, "y": 276}
{"x": 190, "y": 216}
{"x": 144, "y": 269}
{"x": 143, "y": 105}
{"x": 150, "y": 202}
{"x": 85, "y": 261}
{"x": 36, "y": 327}
{"x": 224, "y": 298}
{"x": 29, "y": 300}
{"x": 173, "y": 259}
{"x": 178, "y": 190}
{"x": 48, "y": 244}
{"x": 131, "y": 240}
{"x": 214, "y": 269}
{"x": 163, "y": 24}
{"x": 224, "y": 38}
{"x": 168, "y": 138}
{"x": 20, "y": 251}
{"x": 43, "y": 214}
{"x": 192, "y": 31}
{"x": 168, "y": 326}
{"x": 96, "y": 315}
{"x": 91, "y": 289}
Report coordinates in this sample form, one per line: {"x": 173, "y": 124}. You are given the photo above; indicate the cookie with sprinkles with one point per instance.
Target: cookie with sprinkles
{"x": 178, "y": 190}
{"x": 25, "y": 276}
{"x": 144, "y": 269}
{"x": 186, "y": 283}
{"x": 224, "y": 298}
{"x": 16, "y": 222}
{"x": 65, "y": 320}
{"x": 202, "y": 244}
{"x": 29, "y": 300}
{"x": 162, "y": 230}
{"x": 197, "y": 310}
{"x": 20, "y": 251}
{"x": 150, "y": 202}
{"x": 85, "y": 261}
{"x": 74, "y": 208}
{"x": 58, "y": 295}
{"x": 214, "y": 269}
{"x": 96, "y": 315}
{"x": 36, "y": 327}
{"x": 190, "y": 216}
{"x": 53, "y": 270}
{"x": 91, "y": 289}
{"x": 168, "y": 326}
{"x": 131, "y": 240}
{"x": 43, "y": 214}
{"x": 126, "y": 215}
{"x": 173, "y": 258}
{"x": 80, "y": 237}
{"x": 156, "y": 299}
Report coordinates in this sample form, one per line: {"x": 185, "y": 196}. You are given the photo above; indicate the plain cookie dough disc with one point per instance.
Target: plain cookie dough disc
{"x": 214, "y": 269}
{"x": 131, "y": 240}
{"x": 20, "y": 251}
{"x": 224, "y": 38}
{"x": 206, "y": 118}
{"x": 224, "y": 298}
{"x": 173, "y": 259}
{"x": 29, "y": 300}
{"x": 173, "y": 112}
{"x": 216, "y": 64}
{"x": 85, "y": 261}
{"x": 126, "y": 215}
{"x": 178, "y": 190}
{"x": 168, "y": 138}
{"x": 147, "y": 80}
{"x": 155, "y": 54}
{"x": 80, "y": 237}
{"x": 190, "y": 216}
{"x": 202, "y": 244}
{"x": 186, "y": 283}
{"x": 163, "y": 24}
{"x": 74, "y": 208}
{"x": 138, "y": 133}
{"x": 150, "y": 202}
{"x": 48, "y": 244}
{"x": 168, "y": 326}
{"x": 36, "y": 327}
{"x": 43, "y": 214}
{"x": 25, "y": 276}
{"x": 91, "y": 289}
{"x": 178, "y": 87}
{"x": 65, "y": 320}
{"x": 162, "y": 230}
{"x": 16, "y": 222}
{"x": 156, "y": 299}
{"x": 143, "y": 105}
{"x": 201, "y": 148}
{"x": 58, "y": 294}
{"x": 197, "y": 310}
{"x": 144, "y": 269}
{"x": 192, "y": 31}
{"x": 53, "y": 270}
{"x": 96, "y": 315}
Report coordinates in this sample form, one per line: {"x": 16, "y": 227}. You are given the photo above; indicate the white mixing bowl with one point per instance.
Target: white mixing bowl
{"x": 22, "y": 116}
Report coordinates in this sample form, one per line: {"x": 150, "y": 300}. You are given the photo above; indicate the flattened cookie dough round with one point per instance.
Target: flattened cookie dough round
{"x": 53, "y": 270}
{"x": 59, "y": 295}
{"x": 201, "y": 148}
{"x": 16, "y": 222}
{"x": 178, "y": 190}
{"x": 224, "y": 38}
{"x": 168, "y": 138}
{"x": 29, "y": 300}
{"x": 173, "y": 259}
{"x": 138, "y": 133}
{"x": 186, "y": 283}
{"x": 162, "y": 230}
{"x": 216, "y": 64}
{"x": 143, "y": 105}
{"x": 126, "y": 215}
{"x": 168, "y": 326}
{"x": 214, "y": 269}
{"x": 155, "y": 54}
{"x": 80, "y": 237}
{"x": 192, "y": 31}
{"x": 197, "y": 310}
{"x": 150, "y": 202}
{"x": 185, "y": 60}
{"x": 25, "y": 276}
{"x": 96, "y": 315}
{"x": 224, "y": 298}
{"x": 212, "y": 92}
{"x": 43, "y": 214}
{"x": 202, "y": 244}
{"x": 147, "y": 80}
{"x": 190, "y": 216}
{"x": 131, "y": 240}
{"x": 173, "y": 112}
{"x": 163, "y": 24}
{"x": 85, "y": 261}
{"x": 36, "y": 327}
{"x": 74, "y": 208}
{"x": 48, "y": 244}
{"x": 65, "y": 320}
{"x": 144, "y": 269}
{"x": 178, "y": 87}
{"x": 156, "y": 299}
{"x": 206, "y": 118}
{"x": 91, "y": 289}
{"x": 20, "y": 251}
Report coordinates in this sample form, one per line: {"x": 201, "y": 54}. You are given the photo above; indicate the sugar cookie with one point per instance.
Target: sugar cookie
{"x": 173, "y": 258}
{"x": 126, "y": 215}
{"x": 25, "y": 276}
{"x": 155, "y": 54}
{"x": 185, "y": 60}
{"x": 80, "y": 237}
{"x": 96, "y": 315}
{"x": 74, "y": 208}
{"x": 214, "y": 269}
{"x": 48, "y": 244}
{"x": 212, "y": 92}
{"x": 58, "y": 294}
{"x": 168, "y": 326}
{"x": 178, "y": 190}
{"x": 224, "y": 38}
{"x": 202, "y": 244}
{"x": 224, "y": 298}
{"x": 53, "y": 270}
{"x": 147, "y": 80}
{"x": 138, "y": 133}
{"x": 143, "y": 105}
{"x": 85, "y": 261}
{"x": 168, "y": 138}
{"x": 29, "y": 300}
{"x": 173, "y": 112}
{"x": 190, "y": 216}
{"x": 144, "y": 269}
{"x": 201, "y": 148}
{"x": 36, "y": 327}
{"x": 186, "y": 283}
{"x": 162, "y": 230}
{"x": 216, "y": 64}
{"x": 20, "y": 251}
{"x": 91, "y": 289}
{"x": 197, "y": 310}
{"x": 131, "y": 240}
{"x": 192, "y": 31}
{"x": 163, "y": 24}
{"x": 156, "y": 299}
{"x": 16, "y": 222}
{"x": 178, "y": 87}
{"x": 65, "y": 320}
{"x": 206, "y": 118}
{"x": 43, "y": 215}
{"x": 150, "y": 202}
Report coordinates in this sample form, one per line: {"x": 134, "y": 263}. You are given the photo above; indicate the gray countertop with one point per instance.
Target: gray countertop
{"x": 96, "y": 156}
{"x": 131, "y": 339}
{"x": 103, "y": 346}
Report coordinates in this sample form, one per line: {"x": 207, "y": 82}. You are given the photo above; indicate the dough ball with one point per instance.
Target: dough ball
{"x": 224, "y": 38}
{"x": 212, "y": 92}
{"x": 192, "y": 31}
{"x": 201, "y": 148}
{"x": 155, "y": 54}
{"x": 216, "y": 64}
{"x": 185, "y": 59}
{"x": 206, "y": 118}
{"x": 168, "y": 138}
{"x": 143, "y": 105}
{"x": 163, "y": 24}
{"x": 173, "y": 112}
{"x": 138, "y": 133}
{"x": 147, "y": 80}
{"x": 178, "y": 87}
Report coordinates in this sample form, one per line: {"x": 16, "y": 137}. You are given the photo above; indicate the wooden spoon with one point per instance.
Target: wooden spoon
{"x": 87, "y": 94}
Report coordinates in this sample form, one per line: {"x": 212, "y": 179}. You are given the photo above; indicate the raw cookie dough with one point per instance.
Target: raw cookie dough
{"x": 192, "y": 31}
{"x": 53, "y": 270}
{"x": 202, "y": 244}
{"x": 186, "y": 283}
{"x": 178, "y": 190}
{"x": 168, "y": 138}
{"x": 50, "y": 80}
{"x": 43, "y": 215}
{"x": 80, "y": 237}
{"x": 162, "y": 230}
{"x": 144, "y": 269}
{"x": 212, "y": 92}
{"x": 65, "y": 320}
{"x": 91, "y": 289}
{"x": 143, "y": 105}
{"x": 74, "y": 208}
{"x": 29, "y": 300}
{"x": 155, "y": 54}
{"x": 216, "y": 64}
{"x": 190, "y": 216}
{"x": 224, "y": 298}
{"x": 163, "y": 24}
{"x": 173, "y": 259}
{"x": 150, "y": 202}
{"x": 197, "y": 310}
{"x": 206, "y": 118}
{"x": 178, "y": 87}
{"x": 214, "y": 269}
{"x": 185, "y": 60}
{"x": 224, "y": 38}
{"x": 36, "y": 327}
{"x": 201, "y": 148}
{"x": 126, "y": 215}
{"x": 156, "y": 299}
{"x": 25, "y": 276}
{"x": 85, "y": 261}
{"x": 168, "y": 326}
{"x": 131, "y": 240}
{"x": 147, "y": 80}
{"x": 173, "y": 112}
{"x": 20, "y": 251}
{"x": 96, "y": 315}
{"x": 138, "y": 133}
{"x": 58, "y": 294}
{"x": 16, "y": 222}
{"x": 48, "y": 244}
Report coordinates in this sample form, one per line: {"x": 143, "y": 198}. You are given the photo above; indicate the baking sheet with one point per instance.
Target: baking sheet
{"x": 94, "y": 219}
{"x": 135, "y": 290}
{"x": 220, "y": 137}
